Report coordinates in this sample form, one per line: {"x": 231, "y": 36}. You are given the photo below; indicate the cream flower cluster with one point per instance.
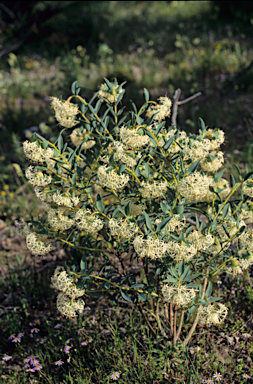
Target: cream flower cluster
{"x": 214, "y": 143}
{"x": 64, "y": 112}
{"x": 246, "y": 240}
{"x": 211, "y": 314}
{"x": 201, "y": 242}
{"x": 156, "y": 189}
{"x": 179, "y": 252}
{"x": 37, "y": 177}
{"x": 122, "y": 229}
{"x": 216, "y": 247}
{"x": 238, "y": 265}
{"x": 121, "y": 154}
{"x": 163, "y": 109}
{"x": 65, "y": 200}
{"x": 69, "y": 307}
{"x": 247, "y": 187}
{"x": 35, "y": 246}
{"x": 105, "y": 93}
{"x": 64, "y": 283}
{"x": 112, "y": 179}
{"x": 22, "y": 228}
{"x": 58, "y": 220}
{"x": 152, "y": 248}
{"x": 246, "y": 215}
{"x": 77, "y": 137}
{"x": 135, "y": 209}
{"x": 132, "y": 139}
{"x": 179, "y": 296}
{"x": 196, "y": 187}
{"x": 42, "y": 194}
{"x": 231, "y": 227}
{"x": 88, "y": 223}
{"x": 174, "y": 224}
{"x": 36, "y": 153}
{"x": 213, "y": 166}
{"x": 196, "y": 149}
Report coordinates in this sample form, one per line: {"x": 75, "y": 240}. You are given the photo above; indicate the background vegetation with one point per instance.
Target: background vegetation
{"x": 197, "y": 46}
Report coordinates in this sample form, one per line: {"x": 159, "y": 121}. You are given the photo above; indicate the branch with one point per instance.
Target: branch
{"x": 176, "y": 103}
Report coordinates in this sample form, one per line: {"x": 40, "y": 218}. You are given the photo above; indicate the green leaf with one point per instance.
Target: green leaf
{"x": 202, "y": 124}
{"x": 127, "y": 208}
{"x": 146, "y": 95}
{"x": 232, "y": 180}
{"x": 165, "y": 207}
{"x": 151, "y": 138}
{"x": 148, "y": 221}
{"x": 60, "y": 143}
{"x": 120, "y": 97}
{"x": 212, "y": 299}
{"x": 108, "y": 84}
{"x": 197, "y": 221}
{"x": 248, "y": 176}
{"x": 99, "y": 203}
{"x": 163, "y": 224}
{"x": 209, "y": 289}
{"x": 159, "y": 127}
{"x": 73, "y": 181}
{"x": 134, "y": 107}
{"x": 125, "y": 295}
{"x": 218, "y": 175}
{"x": 180, "y": 267}
{"x": 138, "y": 285}
{"x": 147, "y": 169}
{"x": 83, "y": 264}
{"x": 112, "y": 161}
{"x": 225, "y": 210}
{"x": 238, "y": 171}
{"x": 122, "y": 168}
{"x": 171, "y": 280}
{"x": 192, "y": 277}
{"x": 168, "y": 143}
{"x": 98, "y": 105}
{"x": 178, "y": 209}
{"x": 139, "y": 119}
{"x": 75, "y": 89}
{"x": 44, "y": 145}
{"x": 193, "y": 166}
{"x": 141, "y": 296}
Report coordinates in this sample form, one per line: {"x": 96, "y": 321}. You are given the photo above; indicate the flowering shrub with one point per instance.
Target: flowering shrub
{"x": 151, "y": 172}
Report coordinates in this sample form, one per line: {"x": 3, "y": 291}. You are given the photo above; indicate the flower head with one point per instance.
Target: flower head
{"x": 162, "y": 110}
{"x": 115, "y": 375}
{"x": 68, "y": 307}
{"x": 64, "y": 283}
{"x": 179, "y": 296}
{"x": 111, "y": 179}
{"x": 57, "y": 326}
{"x": 35, "y": 330}
{"x": 64, "y": 112}
{"x": 7, "y": 357}
{"x": 35, "y": 246}
{"x": 217, "y": 376}
{"x": 59, "y": 362}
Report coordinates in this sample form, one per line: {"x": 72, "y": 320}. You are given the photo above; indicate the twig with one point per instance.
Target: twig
{"x": 175, "y": 326}
{"x": 180, "y": 326}
{"x": 197, "y": 316}
{"x": 176, "y": 103}
{"x": 171, "y": 319}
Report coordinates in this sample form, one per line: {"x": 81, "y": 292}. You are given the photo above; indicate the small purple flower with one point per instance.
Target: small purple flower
{"x": 87, "y": 309}
{"x": 67, "y": 348}
{"x": 246, "y": 376}
{"x": 84, "y": 343}
{"x": 69, "y": 359}
{"x": 34, "y": 362}
{"x": 116, "y": 258}
{"x": 36, "y": 330}
{"x": 115, "y": 375}
{"x": 59, "y": 362}
{"x": 236, "y": 151}
{"x": 138, "y": 264}
{"x": 246, "y": 335}
{"x": 2, "y": 362}
{"x": 19, "y": 335}
{"x": 30, "y": 370}
{"x": 12, "y": 336}
{"x": 27, "y": 366}
{"x": 6, "y": 357}
{"x": 67, "y": 341}
{"x": 57, "y": 326}
{"x": 37, "y": 367}
{"x": 241, "y": 288}
{"x": 217, "y": 376}
{"x": 219, "y": 282}
{"x": 16, "y": 339}
{"x": 80, "y": 330}
{"x": 207, "y": 381}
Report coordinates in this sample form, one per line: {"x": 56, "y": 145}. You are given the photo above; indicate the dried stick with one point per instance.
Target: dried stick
{"x": 171, "y": 318}
{"x": 180, "y": 326}
{"x": 197, "y": 316}
{"x": 176, "y": 103}
{"x": 175, "y": 326}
